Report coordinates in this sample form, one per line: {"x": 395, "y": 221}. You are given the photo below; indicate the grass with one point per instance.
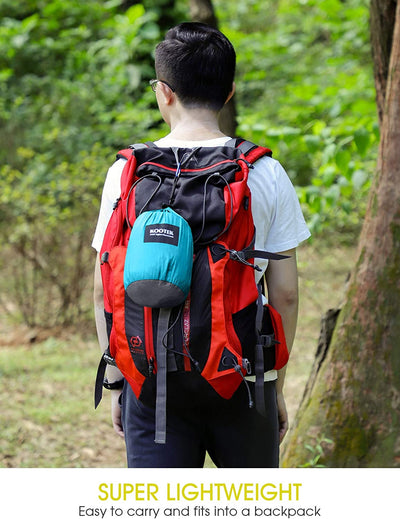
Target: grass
{"x": 46, "y": 397}
{"x": 46, "y": 387}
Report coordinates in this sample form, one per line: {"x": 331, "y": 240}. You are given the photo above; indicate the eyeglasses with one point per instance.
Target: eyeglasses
{"x": 153, "y": 84}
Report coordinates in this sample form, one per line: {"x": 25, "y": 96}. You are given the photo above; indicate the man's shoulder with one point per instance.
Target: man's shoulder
{"x": 267, "y": 169}
{"x": 117, "y": 166}
{"x": 267, "y": 163}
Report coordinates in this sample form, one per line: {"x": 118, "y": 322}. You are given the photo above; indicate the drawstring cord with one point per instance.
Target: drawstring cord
{"x": 203, "y": 223}
{"x": 238, "y": 369}
{"x": 152, "y": 175}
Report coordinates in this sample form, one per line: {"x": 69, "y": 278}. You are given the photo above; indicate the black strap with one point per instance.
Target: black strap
{"x": 259, "y": 356}
{"x": 141, "y": 145}
{"x": 125, "y": 154}
{"x": 248, "y": 253}
{"x": 232, "y": 143}
{"x": 245, "y": 146}
{"x": 106, "y": 358}
{"x": 161, "y": 384}
{"x": 252, "y": 253}
{"x": 98, "y": 388}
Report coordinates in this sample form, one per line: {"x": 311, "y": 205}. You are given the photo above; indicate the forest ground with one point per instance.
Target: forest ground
{"x": 46, "y": 381}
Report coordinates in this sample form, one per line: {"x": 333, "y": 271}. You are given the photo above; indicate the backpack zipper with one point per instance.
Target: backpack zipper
{"x": 149, "y": 339}
{"x": 185, "y": 170}
{"x": 186, "y": 334}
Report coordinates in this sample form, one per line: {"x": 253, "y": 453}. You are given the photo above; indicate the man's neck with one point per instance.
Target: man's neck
{"x": 195, "y": 125}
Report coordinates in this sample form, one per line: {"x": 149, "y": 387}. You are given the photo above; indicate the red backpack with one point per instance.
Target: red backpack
{"x": 222, "y": 331}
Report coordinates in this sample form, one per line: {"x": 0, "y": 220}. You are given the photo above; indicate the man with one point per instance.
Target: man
{"x": 195, "y": 67}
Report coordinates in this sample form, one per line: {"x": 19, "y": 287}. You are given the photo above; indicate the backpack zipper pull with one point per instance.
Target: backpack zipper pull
{"x": 247, "y": 366}
{"x": 176, "y": 178}
{"x": 151, "y": 366}
{"x": 238, "y": 369}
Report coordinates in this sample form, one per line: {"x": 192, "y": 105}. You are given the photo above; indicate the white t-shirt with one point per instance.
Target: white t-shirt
{"x": 277, "y": 215}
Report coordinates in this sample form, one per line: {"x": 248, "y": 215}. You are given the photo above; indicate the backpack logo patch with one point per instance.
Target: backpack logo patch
{"x": 162, "y": 233}
{"x": 136, "y": 346}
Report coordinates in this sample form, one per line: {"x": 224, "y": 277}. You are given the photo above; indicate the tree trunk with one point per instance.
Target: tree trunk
{"x": 354, "y": 400}
{"x": 382, "y": 14}
{"x": 203, "y": 11}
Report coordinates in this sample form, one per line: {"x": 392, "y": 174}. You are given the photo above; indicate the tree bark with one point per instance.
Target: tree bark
{"x": 355, "y": 398}
{"x": 382, "y": 13}
{"x": 203, "y": 11}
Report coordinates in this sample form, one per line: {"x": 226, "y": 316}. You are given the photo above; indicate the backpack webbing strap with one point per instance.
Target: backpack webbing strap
{"x": 161, "y": 383}
{"x": 248, "y": 147}
{"x": 248, "y": 253}
{"x": 259, "y": 356}
{"x": 245, "y": 146}
{"x": 106, "y": 359}
{"x": 141, "y": 145}
{"x": 98, "y": 388}
{"x": 127, "y": 152}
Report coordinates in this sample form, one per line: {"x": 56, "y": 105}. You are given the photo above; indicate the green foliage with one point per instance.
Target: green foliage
{"x": 305, "y": 88}
{"x": 317, "y": 452}
{"x": 71, "y": 72}
{"x": 50, "y": 217}
{"x": 74, "y": 88}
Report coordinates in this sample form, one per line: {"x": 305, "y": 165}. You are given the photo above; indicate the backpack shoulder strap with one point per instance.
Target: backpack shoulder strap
{"x": 124, "y": 154}
{"x": 130, "y": 167}
{"x": 251, "y": 151}
{"x": 128, "y": 152}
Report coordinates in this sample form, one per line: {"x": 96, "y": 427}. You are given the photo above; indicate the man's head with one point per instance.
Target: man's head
{"x": 198, "y": 62}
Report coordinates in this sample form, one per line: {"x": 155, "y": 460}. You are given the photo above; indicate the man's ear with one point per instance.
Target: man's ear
{"x": 166, "y": 93}
{"x": 231, "y": 93}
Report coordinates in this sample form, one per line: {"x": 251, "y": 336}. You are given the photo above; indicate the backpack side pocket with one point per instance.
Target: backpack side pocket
{"x": 272, "y": 328}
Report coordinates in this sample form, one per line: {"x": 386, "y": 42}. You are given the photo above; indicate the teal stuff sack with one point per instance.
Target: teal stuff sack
{"x": 159, "y": 258}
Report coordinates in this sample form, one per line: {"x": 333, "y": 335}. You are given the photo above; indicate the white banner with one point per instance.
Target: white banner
{"x": 203, "y": 493}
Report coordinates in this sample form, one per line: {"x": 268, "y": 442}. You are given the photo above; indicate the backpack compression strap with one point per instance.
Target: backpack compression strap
{"x": 263, "y": 341}
{"x": 161, "y": 381}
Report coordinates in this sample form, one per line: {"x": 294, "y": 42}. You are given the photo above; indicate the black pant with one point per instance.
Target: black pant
{"x": 233, "y": 434}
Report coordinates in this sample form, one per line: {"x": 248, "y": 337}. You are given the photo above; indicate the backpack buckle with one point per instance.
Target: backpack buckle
{"x": 267, "y": 341}
{"x": 238, "y": 255}
{"x": 109, "y": 358}
{"x": 104, "y": 258}
{"x": 241, "y": 256}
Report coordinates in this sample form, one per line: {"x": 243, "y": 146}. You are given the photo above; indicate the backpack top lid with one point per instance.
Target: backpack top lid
{"x": 158, "y": 264}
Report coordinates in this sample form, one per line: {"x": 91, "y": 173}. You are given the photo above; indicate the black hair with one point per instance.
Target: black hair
{"x": 199, "y": 62}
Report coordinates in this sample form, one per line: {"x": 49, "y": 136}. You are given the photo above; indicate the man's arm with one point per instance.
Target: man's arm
{"x": 113, "y": 373}
{"x": 282, "y": 285}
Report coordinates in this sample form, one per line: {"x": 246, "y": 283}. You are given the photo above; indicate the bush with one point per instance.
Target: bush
{"x": 48, "y": 217}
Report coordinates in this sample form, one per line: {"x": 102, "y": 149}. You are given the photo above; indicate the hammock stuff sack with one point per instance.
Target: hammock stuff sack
{"x": 159, "y": 258}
